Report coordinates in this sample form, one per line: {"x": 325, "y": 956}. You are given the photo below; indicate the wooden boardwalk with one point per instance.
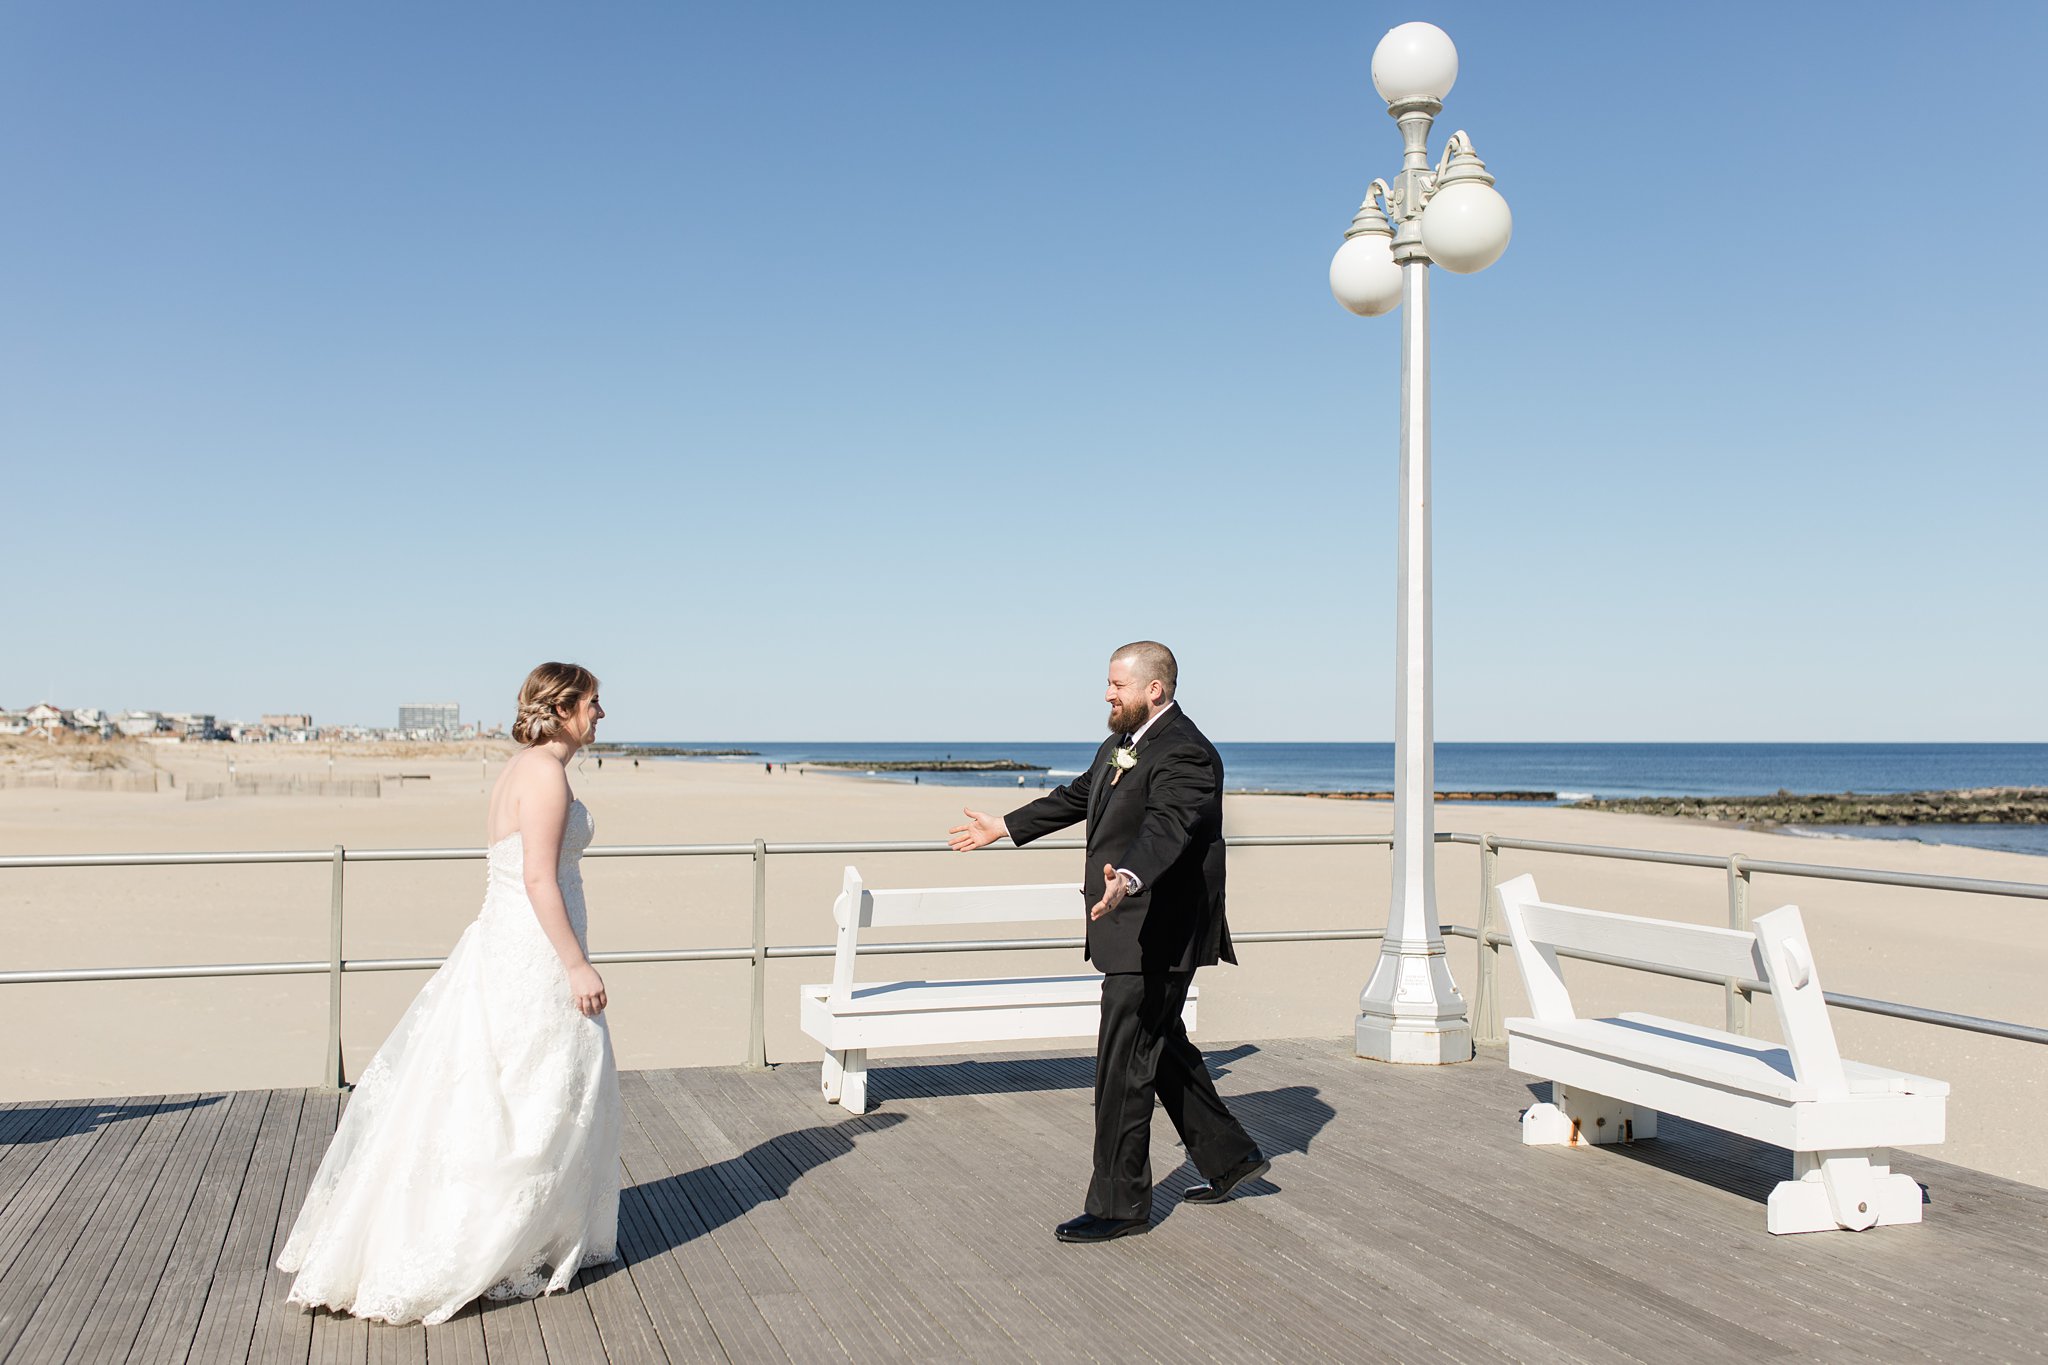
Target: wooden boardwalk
{"x": 1402, "y": 1221}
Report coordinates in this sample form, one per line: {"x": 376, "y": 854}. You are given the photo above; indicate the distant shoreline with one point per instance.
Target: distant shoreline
{"x": 668, "y": 751}
{"x": 932, "y": 765}
{"x": 1491, "y": 797}
{"x": 1976, "y": 806}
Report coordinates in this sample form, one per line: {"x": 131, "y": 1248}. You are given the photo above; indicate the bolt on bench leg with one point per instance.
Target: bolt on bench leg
{"x": 1852, "y": 1190}
{"x": 1575, "y": 1118}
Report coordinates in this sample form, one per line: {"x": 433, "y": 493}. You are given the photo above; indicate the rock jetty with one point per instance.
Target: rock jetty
{"x": 1979, "y": 806}
{"x": 929, "y": 765}
{"x": 1388, "y": 796}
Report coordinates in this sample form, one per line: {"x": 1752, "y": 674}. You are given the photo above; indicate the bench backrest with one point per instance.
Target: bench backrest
{"x": 858, "y": 908}
{"x": 1776, "y": 953}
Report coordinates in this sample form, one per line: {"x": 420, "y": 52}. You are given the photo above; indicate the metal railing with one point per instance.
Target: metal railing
{"x": 1488, "y": 941}
{"x": 759, "y": 952}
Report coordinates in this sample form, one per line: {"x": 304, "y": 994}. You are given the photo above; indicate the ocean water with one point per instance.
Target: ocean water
{"x": 1569, "y": 771}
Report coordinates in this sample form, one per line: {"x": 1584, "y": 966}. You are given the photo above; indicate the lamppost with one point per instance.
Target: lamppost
{"x": 1410, "y": 1010}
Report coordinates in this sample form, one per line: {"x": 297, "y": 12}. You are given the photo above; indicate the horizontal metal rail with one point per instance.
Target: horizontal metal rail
{"x": 1826, "y": 872}
{"x": 429, "y": 855}
{"x": 1738, "y": 869}
{"x": 1919, "y": 1014}
{"x": 739, "y": 954}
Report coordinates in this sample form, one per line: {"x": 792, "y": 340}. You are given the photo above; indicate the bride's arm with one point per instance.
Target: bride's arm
{"x": 543, "y": 815}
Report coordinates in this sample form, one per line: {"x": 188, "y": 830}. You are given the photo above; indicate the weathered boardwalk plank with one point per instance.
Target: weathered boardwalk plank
{"x": 43, "y": 1166}
{"x": 133, "y": 1278}
{"x": 676, "y": 1233}
{"x": 80, "y": 1284}
{"x": 512, "y": 1334}
{"x": 280, "y": 1333}
{"x": 458, "y": 1341}
{"x": 193, "y": 1270}
{"x": 234, "y": 1294}
{"x": 1402, "y": 1219}
{"x": 66, "y": 1217}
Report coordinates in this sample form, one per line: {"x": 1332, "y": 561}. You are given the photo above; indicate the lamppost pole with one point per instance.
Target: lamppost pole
{"x": 1410, "y": 1009}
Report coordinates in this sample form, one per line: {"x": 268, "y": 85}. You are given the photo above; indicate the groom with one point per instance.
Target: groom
{"x": 1153, "y": 799}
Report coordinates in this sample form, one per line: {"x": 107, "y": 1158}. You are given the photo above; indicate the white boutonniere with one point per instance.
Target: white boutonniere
{"x": 1124, "y": 760}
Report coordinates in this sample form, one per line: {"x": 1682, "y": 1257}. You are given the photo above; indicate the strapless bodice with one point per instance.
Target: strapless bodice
{"x": 505, "y": 901}
{"x": 507, "y": 857}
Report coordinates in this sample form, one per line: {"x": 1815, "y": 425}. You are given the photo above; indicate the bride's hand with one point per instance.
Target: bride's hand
{"x": 586, "y": 990}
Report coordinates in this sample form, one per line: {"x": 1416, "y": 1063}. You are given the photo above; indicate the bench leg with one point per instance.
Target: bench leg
{"x": 1830, "y": 1190}
{"x": 853, "y": 1081}
{"x": 1576, "y": 1118}
{"x": 828, "y": 1079}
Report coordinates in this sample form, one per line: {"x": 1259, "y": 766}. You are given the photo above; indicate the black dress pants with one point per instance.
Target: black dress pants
{"x": 1142, "y": 1051}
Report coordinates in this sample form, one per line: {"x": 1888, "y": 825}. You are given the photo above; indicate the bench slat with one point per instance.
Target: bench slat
{"x": 1865, "y": 1078}
{"x": 1698, "y": 947}
{"x": 1742, "y": 1064}
{"x": 973, "y": 905}
{"x": 885, "y": 997}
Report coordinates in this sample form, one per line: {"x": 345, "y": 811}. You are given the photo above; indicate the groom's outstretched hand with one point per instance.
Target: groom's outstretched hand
{"x": 979, "y": 832}
{"x": 1114, "y": 889}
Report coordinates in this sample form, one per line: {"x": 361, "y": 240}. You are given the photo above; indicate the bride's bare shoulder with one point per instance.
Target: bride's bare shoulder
{"x": 534, "y": 774}
{"x": 532, "y": 783}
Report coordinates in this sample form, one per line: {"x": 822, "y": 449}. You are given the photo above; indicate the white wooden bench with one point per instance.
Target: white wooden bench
{"x": 1611, "y": 1077}
{"x": 849, "y": 1019}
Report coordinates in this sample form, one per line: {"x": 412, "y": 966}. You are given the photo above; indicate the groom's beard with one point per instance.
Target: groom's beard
{"x": 1126, "y": 720}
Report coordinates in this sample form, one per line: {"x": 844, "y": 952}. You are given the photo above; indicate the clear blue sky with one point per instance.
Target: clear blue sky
{"x": 866, "y": 372}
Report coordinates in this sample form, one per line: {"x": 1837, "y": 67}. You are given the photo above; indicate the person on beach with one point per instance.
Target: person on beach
{"x": 479, "y": 1154}
{"x": 1153, "y": 888}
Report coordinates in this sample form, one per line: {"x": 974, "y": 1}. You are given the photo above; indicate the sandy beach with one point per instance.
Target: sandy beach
{"x": 1978, "y": 955}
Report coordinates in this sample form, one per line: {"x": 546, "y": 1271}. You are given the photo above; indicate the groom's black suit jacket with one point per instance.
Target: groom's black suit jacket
{"x": 1163, "y": 820}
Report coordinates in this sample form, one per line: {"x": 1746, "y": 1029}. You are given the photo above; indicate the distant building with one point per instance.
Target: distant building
{"x": 45, "y": 719}
{"x": 289, "y": 721}
{"x": 138, "y": 724}
{"x": 191, "y": 724}
{"x": 439, "y": 717}
{"x": 13, "y": 723}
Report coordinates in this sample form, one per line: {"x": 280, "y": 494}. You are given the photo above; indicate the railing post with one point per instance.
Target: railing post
{"x": 1738, "y": 918}
{"x": 334, "y": 1078}
{"x": 1485, "y": 993}
{"x": 757, "y": 1024}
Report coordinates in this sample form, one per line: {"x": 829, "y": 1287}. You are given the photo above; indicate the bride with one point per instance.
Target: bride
{"x": 479, "y": 1154}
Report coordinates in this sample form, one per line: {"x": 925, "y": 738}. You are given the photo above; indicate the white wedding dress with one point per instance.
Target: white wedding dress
{"x": 479, "y": 1154}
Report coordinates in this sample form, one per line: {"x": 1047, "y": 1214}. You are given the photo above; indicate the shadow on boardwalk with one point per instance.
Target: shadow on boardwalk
{"x": 1283, "y": 1121}
{"x": 33, "y": 1122}
{"x": 1402, "y": 1219}
{"x": 723, "y": 1191}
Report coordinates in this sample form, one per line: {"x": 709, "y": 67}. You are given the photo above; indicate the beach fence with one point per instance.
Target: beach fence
{"x": 285, "y": 786}
{"x": 1488, "y": 940}
{"x": 114, "y": 781}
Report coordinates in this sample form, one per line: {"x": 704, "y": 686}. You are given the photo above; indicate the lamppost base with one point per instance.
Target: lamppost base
{"x": 1414, "y": 1042}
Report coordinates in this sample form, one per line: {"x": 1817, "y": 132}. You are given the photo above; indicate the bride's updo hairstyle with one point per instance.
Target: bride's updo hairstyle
{"x": 547, "y": 688}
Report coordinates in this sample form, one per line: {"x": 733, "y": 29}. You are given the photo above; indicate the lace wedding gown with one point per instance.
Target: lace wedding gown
{"x": 480, "y": 1151}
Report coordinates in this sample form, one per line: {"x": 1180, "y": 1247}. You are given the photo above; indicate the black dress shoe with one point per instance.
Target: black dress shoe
{"x": 1218, "y": 1190}
{"x": 1089, "y": 1228}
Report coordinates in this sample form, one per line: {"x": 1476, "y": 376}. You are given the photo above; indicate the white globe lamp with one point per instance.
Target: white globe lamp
{"x": 1466, "y": 227}
{"x": 1415, "y": 61}
{"x": 1466, "y": 224}
{"x": 1364, "y": 276}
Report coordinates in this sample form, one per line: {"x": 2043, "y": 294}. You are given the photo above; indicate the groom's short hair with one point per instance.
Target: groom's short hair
{"x": 1149, "y": 659}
